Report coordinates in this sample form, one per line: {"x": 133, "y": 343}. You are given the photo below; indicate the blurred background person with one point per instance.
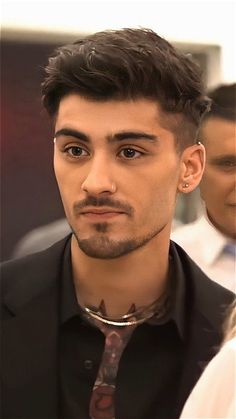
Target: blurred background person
{"x": 211, "y": 239}
{"x": 41, "y": 238}
{"x": 214, "y": 395}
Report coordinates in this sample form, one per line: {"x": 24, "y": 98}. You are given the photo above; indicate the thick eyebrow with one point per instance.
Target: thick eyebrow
{"x": 220, "y": 159}
{"x": 68, "y": 132}
{"x": 132, "y": 135}
{"x": 120, "y": 136}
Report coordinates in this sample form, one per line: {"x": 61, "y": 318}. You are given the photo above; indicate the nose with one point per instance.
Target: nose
{"x": 99, "y": 178}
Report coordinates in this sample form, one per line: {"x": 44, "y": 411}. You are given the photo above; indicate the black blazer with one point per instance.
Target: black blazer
{"x": 30, "y": 326}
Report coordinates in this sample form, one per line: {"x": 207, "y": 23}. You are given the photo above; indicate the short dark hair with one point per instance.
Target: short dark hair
{"x": 223, "y": 102}
{"x": 130, "y": 64}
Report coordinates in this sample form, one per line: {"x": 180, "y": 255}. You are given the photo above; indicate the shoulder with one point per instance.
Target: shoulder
{"x": 24, "y": 278}
{"x": 207, "y": 297}
{"x": 220, "y": 377}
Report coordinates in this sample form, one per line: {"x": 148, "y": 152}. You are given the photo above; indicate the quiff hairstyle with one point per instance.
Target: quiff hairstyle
{"x": 223, "y": 105}
{"x": 130, "y": 64}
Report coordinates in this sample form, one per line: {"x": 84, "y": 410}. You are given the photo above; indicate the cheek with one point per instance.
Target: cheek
{"x": 156, "y": 198}
{"x": 58, "y": 168}
{"x": 166, "y": 187}
{"x": 66, "y": 175}
{"x": 62, "y": 179}
{"x": 66, "y": 184}
{"x": 216, "y": 186}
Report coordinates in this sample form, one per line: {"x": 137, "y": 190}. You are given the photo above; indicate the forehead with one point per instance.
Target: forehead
{"x": 78, "y": 112}
{"x": 219, "y": 135}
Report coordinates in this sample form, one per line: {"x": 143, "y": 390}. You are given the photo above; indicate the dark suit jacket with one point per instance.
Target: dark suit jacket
{"x": 29, "y": 344}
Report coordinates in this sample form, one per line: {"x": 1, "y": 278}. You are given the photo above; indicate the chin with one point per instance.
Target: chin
{"x": 106, "y": 249}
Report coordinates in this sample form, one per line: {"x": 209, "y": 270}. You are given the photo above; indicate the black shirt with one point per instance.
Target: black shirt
{"x": 150, "y": 367}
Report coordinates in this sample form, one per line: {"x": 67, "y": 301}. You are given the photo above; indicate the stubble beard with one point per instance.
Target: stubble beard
{"x": 101, "y": 246}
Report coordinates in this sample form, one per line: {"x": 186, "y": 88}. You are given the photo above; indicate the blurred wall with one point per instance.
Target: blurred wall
{"x": 29, "y": 195}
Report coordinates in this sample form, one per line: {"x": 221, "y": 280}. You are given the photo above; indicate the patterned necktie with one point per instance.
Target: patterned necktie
{"x": 102, "y": 400}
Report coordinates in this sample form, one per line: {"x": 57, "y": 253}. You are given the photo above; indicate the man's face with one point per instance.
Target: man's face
{"x": 219, "y": 179}
{"x": 117, "y": 171}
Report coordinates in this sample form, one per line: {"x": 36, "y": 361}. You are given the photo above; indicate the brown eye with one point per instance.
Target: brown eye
{"x": 227, "y": 165}
{"x": 130, "y": 153}
{"x": 76, "y": 151}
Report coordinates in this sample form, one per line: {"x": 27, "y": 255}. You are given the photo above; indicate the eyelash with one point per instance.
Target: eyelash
{"x": 227, "y": 165}
{"x": 68, "y": 151}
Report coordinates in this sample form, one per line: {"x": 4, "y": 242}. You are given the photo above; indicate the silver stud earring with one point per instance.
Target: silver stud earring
{"x": 186, "y": 185}
{"x": 199, "y": 143}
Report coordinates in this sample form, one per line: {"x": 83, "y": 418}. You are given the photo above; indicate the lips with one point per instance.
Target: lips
{"x": 100, "y": 213}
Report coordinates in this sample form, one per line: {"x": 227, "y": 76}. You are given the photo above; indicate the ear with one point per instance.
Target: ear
{"x": 192, "y": 167}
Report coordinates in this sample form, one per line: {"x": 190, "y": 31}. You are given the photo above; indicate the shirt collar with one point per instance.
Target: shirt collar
{"x": 177, "y": 281}
{"x": 214, "y": 237}
{"x": 70, "y": 307}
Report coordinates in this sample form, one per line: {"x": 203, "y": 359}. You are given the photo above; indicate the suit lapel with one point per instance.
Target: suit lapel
{"x": 30, "y": 344}
{"x": 30, "y": 341}
{"x": 203, "y": 323}
{"x": 202, "y": 344}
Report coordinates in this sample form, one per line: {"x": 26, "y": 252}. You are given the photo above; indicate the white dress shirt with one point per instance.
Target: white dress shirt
{"x": 205, "y": 245}
{"x": 215, "y": 392}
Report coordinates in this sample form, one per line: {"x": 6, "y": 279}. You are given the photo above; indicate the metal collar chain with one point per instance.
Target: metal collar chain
{"x": 158, "y": 309}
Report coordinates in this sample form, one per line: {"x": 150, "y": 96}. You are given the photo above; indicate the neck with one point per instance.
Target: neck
{"x": 122, "y": 284}
{"x": 227, "y": 234}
